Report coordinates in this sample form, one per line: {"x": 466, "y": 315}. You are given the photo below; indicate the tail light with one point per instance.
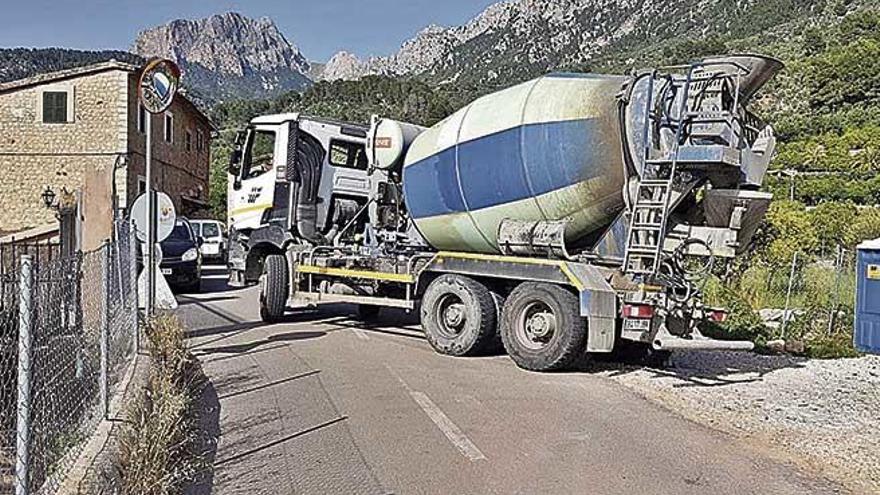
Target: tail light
{"x": 638, "y": 311}
{"x": 718, "y": 315}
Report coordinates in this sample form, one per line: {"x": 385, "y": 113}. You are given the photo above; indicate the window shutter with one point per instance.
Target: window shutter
{"x": 55, "y": 107}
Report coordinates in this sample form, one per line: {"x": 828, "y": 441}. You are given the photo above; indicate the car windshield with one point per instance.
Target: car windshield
{"x": 197, "y": 228}
{"x": 210, "y": 230}
{"x": 180, "y": 233}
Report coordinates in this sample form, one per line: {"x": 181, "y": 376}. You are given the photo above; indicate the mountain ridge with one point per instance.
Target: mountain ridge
{"x": 229, "y": 55}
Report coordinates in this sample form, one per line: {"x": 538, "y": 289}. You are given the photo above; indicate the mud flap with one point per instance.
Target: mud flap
{"x": 600, "y": 308}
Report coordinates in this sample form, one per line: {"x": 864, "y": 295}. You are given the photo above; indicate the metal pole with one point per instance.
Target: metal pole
{"x": 25, "y": 326}
{"x": 151, "y": 216}
{"x": 838, "y": 268}
{"x": 133, "y": 285}
{"x": 788, "y": 293}
{"x": 105, "y": 326}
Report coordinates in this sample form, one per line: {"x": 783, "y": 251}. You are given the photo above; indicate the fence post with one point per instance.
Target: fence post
{"x": 785, "y": 316}
{"x": 25, "y": 326}
{"x": 133, "y": 285}
{"x": 105, "y": 324}
{"x": 838, "y": 269}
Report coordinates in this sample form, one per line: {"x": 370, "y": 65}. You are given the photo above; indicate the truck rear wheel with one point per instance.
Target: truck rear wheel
{"x": 274, "y": 288}
{"x": 458, "y": 316}
{"x": 542, "y": 328}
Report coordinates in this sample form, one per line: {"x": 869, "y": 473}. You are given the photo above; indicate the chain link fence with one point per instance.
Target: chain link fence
{"x": 819, "y": 296}
{"x": 808, "y": 302}
{"x": 68, "y": 328}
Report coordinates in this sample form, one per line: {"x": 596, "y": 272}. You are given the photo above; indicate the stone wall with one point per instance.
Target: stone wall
{"x": 34, "y": 155}
{"x": 177, "y": 171}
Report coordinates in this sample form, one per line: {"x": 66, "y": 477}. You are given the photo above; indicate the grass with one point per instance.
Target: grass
{"x": 818, "y": 289}
{"x": 159, "y": 449}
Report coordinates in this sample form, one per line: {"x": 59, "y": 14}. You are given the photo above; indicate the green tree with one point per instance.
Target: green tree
{"x": 791, "y": 231}
{"x": 866, "y": 226}
{"x": 831, "y": 220}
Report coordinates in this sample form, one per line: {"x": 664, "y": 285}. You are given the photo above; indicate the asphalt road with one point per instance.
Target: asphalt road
{"x": 322, "y": 404}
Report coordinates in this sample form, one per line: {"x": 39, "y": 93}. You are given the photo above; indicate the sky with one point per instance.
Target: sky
{"x": 319, "y": 27}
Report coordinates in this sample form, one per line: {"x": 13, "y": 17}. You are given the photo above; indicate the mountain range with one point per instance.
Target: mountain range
{"x": 229, "y": 56}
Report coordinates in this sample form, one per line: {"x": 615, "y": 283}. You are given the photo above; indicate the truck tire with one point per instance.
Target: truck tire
{"x": 458, "y": 316}
{"x": 495, "y": 346}
{"x": 542, "y": 328}
{"x": 274, "y": 288}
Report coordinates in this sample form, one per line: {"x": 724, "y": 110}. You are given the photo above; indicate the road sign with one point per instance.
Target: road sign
{"x": 156, "y": 89}
{"x": 158, "y": 85}
{"x": 165, "y": 217}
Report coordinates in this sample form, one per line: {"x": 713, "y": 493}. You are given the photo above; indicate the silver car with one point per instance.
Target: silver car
{"x": 215, "y": 245}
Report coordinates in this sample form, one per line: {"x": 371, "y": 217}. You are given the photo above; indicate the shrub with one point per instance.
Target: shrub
{"x": 159, "y": 447}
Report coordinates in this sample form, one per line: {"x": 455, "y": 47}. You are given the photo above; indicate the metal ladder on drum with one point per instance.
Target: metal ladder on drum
{"x": 650, "y": 211}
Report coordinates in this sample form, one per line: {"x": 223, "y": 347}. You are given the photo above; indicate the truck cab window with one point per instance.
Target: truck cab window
{"x": 259, "y": 155}
{"x": 348, "y": 154}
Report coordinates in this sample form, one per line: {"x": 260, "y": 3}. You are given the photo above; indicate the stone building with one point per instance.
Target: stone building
{"x": 82, "y": 131}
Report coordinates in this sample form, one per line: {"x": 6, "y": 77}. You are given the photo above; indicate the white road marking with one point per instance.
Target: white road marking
{"x": 361, "y": 334}
{"x": 450, "y": 429}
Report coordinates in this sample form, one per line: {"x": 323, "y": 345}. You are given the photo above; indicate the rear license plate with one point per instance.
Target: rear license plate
{"x": 639, "y": 325}
{"x": 167, "y": 271}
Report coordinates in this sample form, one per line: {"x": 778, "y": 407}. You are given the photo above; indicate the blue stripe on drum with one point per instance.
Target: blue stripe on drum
{"x": 493, "y": 168}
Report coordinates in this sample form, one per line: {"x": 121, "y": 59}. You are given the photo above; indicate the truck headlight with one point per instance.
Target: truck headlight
{"x": 190, "y": 255}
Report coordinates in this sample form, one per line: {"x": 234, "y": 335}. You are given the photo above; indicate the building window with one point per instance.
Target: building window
{"x": 189, "y": 140}
{"x": 142, "y": 119}
{"x": 142, "y": 184}
{"x": 169, "y": 128}
{"x": 200, "y": 140}
{"x": 55, "y": 107}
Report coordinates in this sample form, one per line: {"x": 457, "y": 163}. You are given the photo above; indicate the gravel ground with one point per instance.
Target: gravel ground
{"x": 823, "y": 414}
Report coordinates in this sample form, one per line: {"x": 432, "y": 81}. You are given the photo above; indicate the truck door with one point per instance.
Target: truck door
{"x": 255, "y": 194}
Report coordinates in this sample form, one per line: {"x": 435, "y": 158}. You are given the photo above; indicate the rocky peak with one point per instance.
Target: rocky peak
{"x": 228, "y": 45}
{"x": 343, "y": 65}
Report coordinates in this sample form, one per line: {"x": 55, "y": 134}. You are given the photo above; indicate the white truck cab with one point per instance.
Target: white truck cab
{"x": 291, "y": 172}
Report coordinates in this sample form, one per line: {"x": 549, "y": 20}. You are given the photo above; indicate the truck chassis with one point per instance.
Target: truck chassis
{"x": 472, "y": 304}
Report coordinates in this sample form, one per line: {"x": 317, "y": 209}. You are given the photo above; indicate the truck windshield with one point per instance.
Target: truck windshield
{"x": 259, "y": 154}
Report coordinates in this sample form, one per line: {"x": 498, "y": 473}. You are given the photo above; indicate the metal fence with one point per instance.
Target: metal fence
{"x": 819, "y": 295}
{"x": 68, "y": 327}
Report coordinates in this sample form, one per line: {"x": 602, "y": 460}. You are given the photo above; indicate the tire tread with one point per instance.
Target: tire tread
{"x": 273, "y": 301}
{"x": 574, "y": 339}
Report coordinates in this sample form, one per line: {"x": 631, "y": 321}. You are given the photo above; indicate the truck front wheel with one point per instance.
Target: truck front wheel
{"x": 458, "y": 316}
{"x": 274, "y": 288}
{"x": 542, "y": 328}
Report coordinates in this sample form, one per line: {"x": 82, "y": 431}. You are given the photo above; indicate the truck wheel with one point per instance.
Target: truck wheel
{"x": 542, "y": 327}
{"x": 458, "y": 316}
{"x": 274, "y": 288}
{"x": 495, "y": 346}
